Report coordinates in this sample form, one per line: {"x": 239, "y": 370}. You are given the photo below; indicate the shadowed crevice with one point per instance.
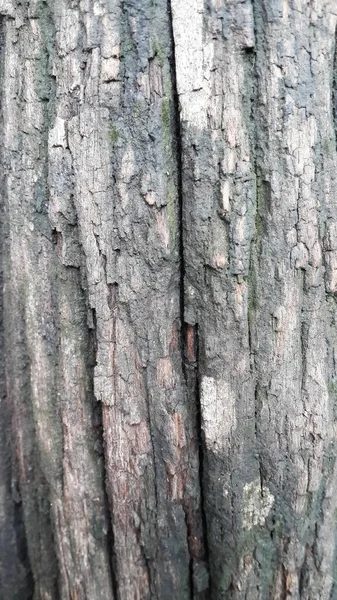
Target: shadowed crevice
{"x": 98, "y": 424}
{"x": 195, "y": 519}
{"x": 334, "y": 88}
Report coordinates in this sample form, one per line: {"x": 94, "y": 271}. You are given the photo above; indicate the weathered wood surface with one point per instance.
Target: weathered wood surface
{"x": 168, "y": 343}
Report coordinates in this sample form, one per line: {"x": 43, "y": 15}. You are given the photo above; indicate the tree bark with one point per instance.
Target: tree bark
{"x": 168, "y": 341}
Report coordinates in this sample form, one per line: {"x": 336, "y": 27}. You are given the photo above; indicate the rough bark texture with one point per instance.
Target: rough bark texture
{"x": 168, "y": 342}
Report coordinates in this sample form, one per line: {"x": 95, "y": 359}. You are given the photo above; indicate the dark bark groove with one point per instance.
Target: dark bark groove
{"x": 334, "y": 86}
{"x": 190, "y": 363}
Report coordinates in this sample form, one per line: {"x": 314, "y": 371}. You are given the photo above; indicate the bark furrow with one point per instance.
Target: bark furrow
{"x": 195, "y": 517}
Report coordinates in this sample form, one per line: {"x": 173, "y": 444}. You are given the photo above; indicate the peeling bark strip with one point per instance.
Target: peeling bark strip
{"x": 169, "y": 257}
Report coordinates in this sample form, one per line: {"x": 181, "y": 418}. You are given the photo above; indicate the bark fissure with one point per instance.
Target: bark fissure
{"x": 112, "y": 301}
{"x": 98, "y": 422}
{"x": 110, "y": 535}
{"x": 261, "y": 211}
{"x": 190, "y": 357}
{"x": 178, "y": 154}
{"x": 334, "y": 87}
{"x": 179, "y": 162}
{"x": 147, "y": 562}
{"x": 200, "y": 442}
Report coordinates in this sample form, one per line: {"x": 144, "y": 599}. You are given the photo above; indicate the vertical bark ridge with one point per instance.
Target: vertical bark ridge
{"x": 23, "y": 181}
{"x": 15, "y": 572}
{"x": 331, "y": 297}
{"x": 292, "y": 249}
{"x": 46, "y": 319}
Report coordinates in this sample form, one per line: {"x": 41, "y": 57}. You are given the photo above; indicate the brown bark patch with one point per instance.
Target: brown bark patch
{"x": 165, "y": 373}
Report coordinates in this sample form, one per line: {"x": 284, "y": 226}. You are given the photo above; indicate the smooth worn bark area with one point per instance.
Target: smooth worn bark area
{"x": 168, "y": 270}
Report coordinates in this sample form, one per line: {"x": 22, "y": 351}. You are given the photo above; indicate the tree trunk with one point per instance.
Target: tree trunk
{"x": 168, "y": 341}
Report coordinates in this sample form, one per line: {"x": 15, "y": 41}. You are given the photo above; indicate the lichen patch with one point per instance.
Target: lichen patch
{"x": 257, "y": 503}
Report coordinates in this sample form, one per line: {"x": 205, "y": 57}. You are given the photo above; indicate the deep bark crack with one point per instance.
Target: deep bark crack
{"x": 108, "y": 499}
{"x": 150, "y": 421}
{"x": 262, "y": 200}
{"x": 334, "y": 88}
{"x": 189, "y": 338}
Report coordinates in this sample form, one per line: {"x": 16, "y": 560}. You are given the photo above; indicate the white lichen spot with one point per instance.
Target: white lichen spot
{"x": 7, "y": 8}
{"x": 58, "y": 135}
{"x": 218, "y": 260}
{"x": 110, "y": 69}
{"x": 150, "y": 198}
{"x": 225, "y": 190}
{"x": 163, "y": 229}
{"x": 257, "y": 503}
{"x": 191, "y": 291}
{"x": 98, "y": 9}
{"x": 128, "y": 165}
{"x": 218, "y": 412}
